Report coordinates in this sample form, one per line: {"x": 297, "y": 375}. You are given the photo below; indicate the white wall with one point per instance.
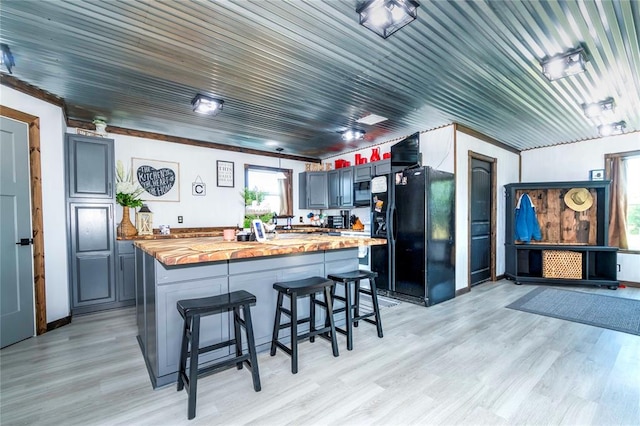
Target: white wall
{"x": 571, "y": 162}
{"x": 52, "y": 128}
{"x": 507, "y": 172}
{"x": 221, "y": 206}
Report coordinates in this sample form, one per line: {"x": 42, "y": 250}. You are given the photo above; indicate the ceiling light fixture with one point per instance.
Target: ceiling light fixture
{"x": 600, "y": 109}
{"x": 371, "y": 119}
{"x": 564, "y": 64}
{"x": 612, "y": 129}
{"x": 6, "y": 58}
{"x": 206, "y": 105}
{"x": 352, "y": 135}
{"x": 385, "y": 17}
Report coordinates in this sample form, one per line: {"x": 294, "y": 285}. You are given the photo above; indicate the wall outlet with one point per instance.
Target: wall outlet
{"x": 179, "y": 219}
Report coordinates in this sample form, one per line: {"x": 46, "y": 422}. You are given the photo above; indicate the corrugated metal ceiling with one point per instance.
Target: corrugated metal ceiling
{"x": 298, "y": 72}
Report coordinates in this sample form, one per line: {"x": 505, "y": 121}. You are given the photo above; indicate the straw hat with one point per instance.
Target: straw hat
{"x": 578, "y": 199}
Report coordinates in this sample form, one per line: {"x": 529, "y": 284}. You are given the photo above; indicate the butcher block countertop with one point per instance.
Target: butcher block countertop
{"x": 217, "y": 232}
{"x": 184, "y": 251}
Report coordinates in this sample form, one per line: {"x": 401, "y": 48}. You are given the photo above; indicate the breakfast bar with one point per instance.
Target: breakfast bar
{"x": 168, "y": 270}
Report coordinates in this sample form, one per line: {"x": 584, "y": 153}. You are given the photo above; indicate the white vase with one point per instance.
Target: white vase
{"x": 101, "y": 128}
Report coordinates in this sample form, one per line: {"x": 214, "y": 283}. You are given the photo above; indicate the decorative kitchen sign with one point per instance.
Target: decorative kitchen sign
{"x": 225, "y": 173}
{"x": 198, "y": 188}
{"x": 159, "y": 179}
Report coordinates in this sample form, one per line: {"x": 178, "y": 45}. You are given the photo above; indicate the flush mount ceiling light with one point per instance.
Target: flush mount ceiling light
{"x": 564, "y": 64}
{"x": 612, "y": 128}
{"x": 6, "y": 58}
{"x": 371, "y": 119}
{"x": 352, "y": 135}
{"x": 602, "y": 109}
{"x": 206, "y": 105}
{"x": 385, "y": 17}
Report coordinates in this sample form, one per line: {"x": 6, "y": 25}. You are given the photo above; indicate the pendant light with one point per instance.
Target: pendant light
{"x": 280, "y": 175}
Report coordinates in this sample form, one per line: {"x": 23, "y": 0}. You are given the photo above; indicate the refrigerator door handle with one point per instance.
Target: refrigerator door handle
{"x": 392, "y": 226}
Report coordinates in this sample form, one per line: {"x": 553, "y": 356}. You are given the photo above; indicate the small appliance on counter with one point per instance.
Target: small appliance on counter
{"x": 335, "y": 222}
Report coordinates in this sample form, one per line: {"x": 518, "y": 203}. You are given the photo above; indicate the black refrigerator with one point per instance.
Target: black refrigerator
{"x": 414, "y": 210}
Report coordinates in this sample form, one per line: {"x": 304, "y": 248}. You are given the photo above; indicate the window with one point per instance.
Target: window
{"x": 633, "y": 202}
{"x": 623, "y": 169}
{"x": 268, "y": 190}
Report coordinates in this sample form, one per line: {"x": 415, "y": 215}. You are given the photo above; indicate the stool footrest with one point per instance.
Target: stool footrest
{"x": 205, "y": 371}
{"x": 214, "y": 347}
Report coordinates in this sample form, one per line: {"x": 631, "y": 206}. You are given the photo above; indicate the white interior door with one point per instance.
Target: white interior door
{"x": 16, "y": 285}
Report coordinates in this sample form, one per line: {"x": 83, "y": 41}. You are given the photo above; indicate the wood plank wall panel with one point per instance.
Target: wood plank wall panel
{"x": 558, "y": 223}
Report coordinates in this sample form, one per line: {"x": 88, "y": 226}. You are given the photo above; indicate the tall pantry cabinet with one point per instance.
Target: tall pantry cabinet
{"x": 90, "y": 199}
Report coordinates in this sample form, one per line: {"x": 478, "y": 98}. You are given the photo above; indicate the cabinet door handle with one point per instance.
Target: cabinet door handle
{"x": 121, "y": 263}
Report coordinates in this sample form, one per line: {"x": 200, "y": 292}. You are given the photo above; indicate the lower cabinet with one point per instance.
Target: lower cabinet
{"x": 126, "y": 272}
{"x": 91, "y": 257}
{"x": 159, "y": 287}
{"x": 102, "y": 270}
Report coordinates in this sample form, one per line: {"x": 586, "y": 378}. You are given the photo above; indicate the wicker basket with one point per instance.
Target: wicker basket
{"x": 561, "y": 264}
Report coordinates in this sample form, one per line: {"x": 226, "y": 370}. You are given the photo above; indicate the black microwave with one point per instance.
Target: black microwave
{"x": 362, "y": 193}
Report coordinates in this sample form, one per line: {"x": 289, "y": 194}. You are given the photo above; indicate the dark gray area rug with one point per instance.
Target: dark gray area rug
{"x": 615, "y": 313}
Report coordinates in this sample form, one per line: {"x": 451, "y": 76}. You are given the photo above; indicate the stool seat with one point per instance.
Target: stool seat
{"x": 303, "y": 286}
{"x": 210, "y": 305}
{"x": 293, "y": 289}
{"x": 191, "y": 311}
{"x": 352, "y": 276}
{"x": 352, "y": 304}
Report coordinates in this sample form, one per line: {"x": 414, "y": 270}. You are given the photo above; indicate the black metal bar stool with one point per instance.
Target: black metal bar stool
{"x": 300, "y": 288}
{"x": 191, "y": 310}
{"x": 352, "y": 307}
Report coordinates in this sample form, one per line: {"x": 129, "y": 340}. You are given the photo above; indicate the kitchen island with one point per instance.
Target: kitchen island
{"x": 169, "y": 270}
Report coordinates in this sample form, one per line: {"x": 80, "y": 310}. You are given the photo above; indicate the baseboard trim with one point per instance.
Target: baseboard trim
{"x": 630, "y": 284}
{"x": 501, "y": 277}
{"x": 58, "y": 323}
{"x": 462, "y": 291}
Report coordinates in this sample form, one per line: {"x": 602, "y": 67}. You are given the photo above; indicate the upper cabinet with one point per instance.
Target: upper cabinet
{"x": 313, "y": 190}
{"x": 340, "y": 183}
{"x": 362, "y": 173}
{"x": 90, "y": 163}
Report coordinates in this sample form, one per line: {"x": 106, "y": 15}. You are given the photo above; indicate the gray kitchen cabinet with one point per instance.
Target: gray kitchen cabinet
{"x": 362, "y": 173}
{"x": 92, "y": 256}
{"x": 312, "y": 190}
{"x": 125, "y": 272}
{"x": 340, "y": 185}
{"x": 90, "y": 167}
{"x": 90, "y": 205}
{"x": 382, "y": 167}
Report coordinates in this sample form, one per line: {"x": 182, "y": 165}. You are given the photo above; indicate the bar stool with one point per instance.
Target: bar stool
{"x": 352, "y": 307}
{"x": 191, "y": 311}
{"x": 300, "y": 288}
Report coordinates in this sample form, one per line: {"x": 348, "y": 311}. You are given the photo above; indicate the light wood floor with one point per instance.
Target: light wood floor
{"x": 466, "y": 361}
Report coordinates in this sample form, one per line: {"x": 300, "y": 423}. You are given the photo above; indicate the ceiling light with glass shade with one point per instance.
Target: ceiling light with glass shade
{"x": 206, "y": 105}
{"x": 565, "y": 64}
{"x": 603, "y": 110}
{"x": 352, "y": 135}
{"x": 612, "y": 129}
{"x": 385, "y": 17}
